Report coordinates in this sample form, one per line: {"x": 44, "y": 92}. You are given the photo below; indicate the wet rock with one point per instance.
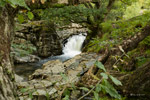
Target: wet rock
{"x": 71, "y": 68}
{"x": 25, "y": 59}
{"x": 65, "y": 32}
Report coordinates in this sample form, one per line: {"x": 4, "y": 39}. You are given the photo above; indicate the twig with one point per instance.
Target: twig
{"x": 124, "y": 54}
{"x": 90, "y": 90}
{"x": 119, "y": 59}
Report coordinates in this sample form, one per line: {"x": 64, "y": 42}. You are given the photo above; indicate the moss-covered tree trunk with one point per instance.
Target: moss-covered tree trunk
{"x": 138, "y": 83}
{"x": 7, "y": 87}
{"x": 127, "y": 45}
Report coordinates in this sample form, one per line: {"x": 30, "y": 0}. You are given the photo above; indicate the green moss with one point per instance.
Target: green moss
{"x": 146, "y": 42}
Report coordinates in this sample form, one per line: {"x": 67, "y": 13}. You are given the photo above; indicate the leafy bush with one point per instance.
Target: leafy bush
{"x": 105, "y": 86}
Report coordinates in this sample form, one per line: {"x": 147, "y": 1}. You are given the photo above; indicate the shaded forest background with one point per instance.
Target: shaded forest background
{"x": 118, "y": 30}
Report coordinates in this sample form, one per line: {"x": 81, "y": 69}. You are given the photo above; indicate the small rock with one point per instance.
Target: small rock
{"x": 18, "y": 78}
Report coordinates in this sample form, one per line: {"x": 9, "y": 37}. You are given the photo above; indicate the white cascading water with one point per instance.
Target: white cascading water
{"x": 73, "y": 46}
{"x": 70, "y": 49}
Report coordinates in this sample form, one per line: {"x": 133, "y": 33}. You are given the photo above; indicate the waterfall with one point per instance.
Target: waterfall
{"x": 73, "y": 46}
{"x": 70, "y": 49}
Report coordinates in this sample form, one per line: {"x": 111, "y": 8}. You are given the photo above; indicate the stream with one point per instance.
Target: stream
{"x": 70, "y": 49}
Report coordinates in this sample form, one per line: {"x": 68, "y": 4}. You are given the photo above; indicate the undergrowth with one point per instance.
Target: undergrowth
{"x": 116, "y": 32}
{"x": 104, "y": 86}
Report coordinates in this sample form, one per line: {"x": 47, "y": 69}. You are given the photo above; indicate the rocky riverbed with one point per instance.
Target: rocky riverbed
{"x": 54, "y": 74}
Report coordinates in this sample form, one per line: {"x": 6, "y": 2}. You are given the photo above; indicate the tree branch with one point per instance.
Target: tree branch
{"x": 109, "y": 6}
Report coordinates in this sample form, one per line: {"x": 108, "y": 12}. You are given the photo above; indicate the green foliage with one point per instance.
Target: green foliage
{"x": 136, "y": 8}
{"x": 96, "y": 44}
{"x": 141, "y": 60}
{"x": 146, "y": 42}
{"x": 24, "y": 16}
{"x": 66, "y": 97}
{"x": 63, "y": 76}
{"x": 58, "y": 5}
{"x": 69, "y": 14}
{"x": 96, "y": 96}
{"x": 106, "y": 27}
{"x": 84, "y": 88}
{"x": 117, "y": 31}
{"x": 66, "y": 94}
{"x": 105, "y": 86}
{"x": 108, "y": 88}
{"x": 117, "y": 12}
{"x": 104, "y": 75}
{"x": 20, "y": 18}
{"x": 98, "y": 88}
{"x": 30, "y": 15}
{"x": 38, "y": 13}
{"x": 133, "y": 10}
{"x": 18, "y": 2}
{"x": 2, "y": 3}
{"x": 115, "y": 81}
{"x": 29, "y": 91}
{"x": 23, "y": 90}
{"x": 14, "y": 3}
{"x": 100, "y": 65}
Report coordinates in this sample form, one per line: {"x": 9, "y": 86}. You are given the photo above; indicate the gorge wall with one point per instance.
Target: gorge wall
{"x": 47, "y": 37}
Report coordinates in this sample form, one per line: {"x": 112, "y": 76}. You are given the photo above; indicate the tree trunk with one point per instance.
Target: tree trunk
{"x": 127, "y": 45}
{"x": 138, "y": 83}
{"x": 7, "y": 87}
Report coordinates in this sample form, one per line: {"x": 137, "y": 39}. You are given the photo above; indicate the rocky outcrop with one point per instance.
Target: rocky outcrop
{"x": 56, "y": 73}
{"x": 47, "y": 37}
{"x": 43, "y": 35}
{"x": 48, "y": 43}
{"x": 65, "y": 32}
{"x": 26, "y": 59}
